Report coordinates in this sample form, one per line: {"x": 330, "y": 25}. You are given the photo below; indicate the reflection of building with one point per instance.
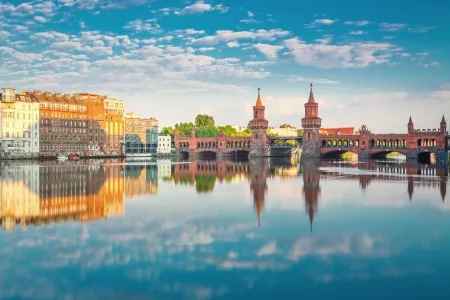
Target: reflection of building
{"x": 164, "y": 144}
{"x": 259, "y": 169}
{"x": 141, "y": 134}
{"x": 19, "y": 124}
{"x": 62, "y": 123}
{"x": 114, "y": 125}
{"x": 164, "y": 168}
{"x": 311, "y": 188}
{"x": 141, "y": 180}
{"x": 48, "y": 194}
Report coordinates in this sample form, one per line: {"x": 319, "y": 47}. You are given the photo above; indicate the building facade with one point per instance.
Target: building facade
{"x": 62, "y": 123}
{"x": 141, "y": 134}
{"x": 96, "y": 132}
{"x": 19, "y": 124}
{"x": 164, "y": 144}
{"x": 114, "y": 126}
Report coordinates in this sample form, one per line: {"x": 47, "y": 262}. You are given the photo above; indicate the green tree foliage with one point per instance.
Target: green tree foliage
{"x": 184, "y": 129}
{"x": 228, "y": 130}
{"x": 300, "y": 132}
{"x": 206, "y": 131}
{"x": 286, "y": 126}
{"x": 204, "y": 183}
{"x": 204, "y": 120}
{"x": 167, "y": 130}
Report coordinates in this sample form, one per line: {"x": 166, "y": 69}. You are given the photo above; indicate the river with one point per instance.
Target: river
{"x": 259, "y": 229}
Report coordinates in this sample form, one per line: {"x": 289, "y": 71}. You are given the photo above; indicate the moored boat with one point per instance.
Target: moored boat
{"x": 74, "y": 157}
{"x": 61, "y": 157}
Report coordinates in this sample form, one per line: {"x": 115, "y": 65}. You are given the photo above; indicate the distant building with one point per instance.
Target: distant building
{"x": 141, "y": 134}
{"x": 290, "y": 131}
{"x": 19, "y": 124}
{"x": 164, "y": 168}
{"x": 341, "y": 130}
{"x": 164, "y": 144}
{"x": 114, "y": 126}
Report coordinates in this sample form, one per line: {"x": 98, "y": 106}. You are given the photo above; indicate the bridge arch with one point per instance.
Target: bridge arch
{"x": 184, "y": 154}
{"x": 207, "y": 154}
{"x": 336, "y": 153}
{"x": 382, "y": 153}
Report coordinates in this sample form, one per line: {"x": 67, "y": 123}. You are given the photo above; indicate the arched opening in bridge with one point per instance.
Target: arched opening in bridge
{"x": 340, "y": 154}
{"x": 426, "y": 157}
{"x": 207, "y": 155}
{"x": 388, "y": 154}
{"x": 240, "y": 154}
{"x": 184, "y": 154}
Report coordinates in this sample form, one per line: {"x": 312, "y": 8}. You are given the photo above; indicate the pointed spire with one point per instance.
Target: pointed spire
{"x": 258, "y": 100}
{"x": 410, "y": 120}
{"x": 311, "y": 95}
{"x": 311, "y": 218}
{"x": 443, "y": 119}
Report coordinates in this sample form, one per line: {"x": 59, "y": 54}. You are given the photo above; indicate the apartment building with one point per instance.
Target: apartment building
{"x": 96, "y": 132}
{"x": 62, "y": 124}
{"x": 164, "y": 144}
{"x": 114, "y": 126}
{"x": 19, "y": 124}
{"x": 141, "y": 134}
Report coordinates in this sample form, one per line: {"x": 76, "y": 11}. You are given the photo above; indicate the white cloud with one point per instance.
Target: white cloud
{"x": 296, "y": 78}
{"x": 250, "y": 14}
{"x": 357, "y": 23}
{"x": 229, "y": 35}
{"x": 357, "y": 55}
{"x": 40, "y": 19}
{"x": 4, "y": 34}
{"x": 249, "y": 21}
{"x": 82, "y": 25}
{"x": 201, "y": 7}
{"x": 357, "y": 32}
{"x": 320, "y": 22}
{"x": 270, "y": 51}
{"x": 139, "y": 25}
{"x": 268, "y": 249}
{"x": 392, "y": 27}
{"x": 233, "y": 44}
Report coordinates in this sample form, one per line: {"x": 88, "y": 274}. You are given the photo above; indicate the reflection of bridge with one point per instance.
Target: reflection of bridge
{"x": 204, "y": 174}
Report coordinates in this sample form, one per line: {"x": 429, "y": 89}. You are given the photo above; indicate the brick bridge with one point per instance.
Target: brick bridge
{"x": 315, "y": 143}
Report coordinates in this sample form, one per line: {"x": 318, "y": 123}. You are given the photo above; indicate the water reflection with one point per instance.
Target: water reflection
{"x": 268, "y": 228}
{"x": 45, "y": 193}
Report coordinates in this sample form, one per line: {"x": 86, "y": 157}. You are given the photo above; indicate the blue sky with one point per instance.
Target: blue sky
{"x": 371, "y": 62}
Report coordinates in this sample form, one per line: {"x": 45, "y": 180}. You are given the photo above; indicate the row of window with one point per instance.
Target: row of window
{"x": 63, "y": 107}
{"x": 12, "y": 115}
{"x": 25, "y": 125}
{"x": 56, "y": 138}
{"x": 25, "y": 135}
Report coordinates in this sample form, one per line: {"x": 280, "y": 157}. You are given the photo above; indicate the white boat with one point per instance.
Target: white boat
{"x": 62, "y": 157}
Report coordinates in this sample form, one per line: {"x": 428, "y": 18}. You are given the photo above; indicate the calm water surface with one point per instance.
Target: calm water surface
{"x": 264, "y": 229}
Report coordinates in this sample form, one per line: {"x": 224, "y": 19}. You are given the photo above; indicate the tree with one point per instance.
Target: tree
{"x": 300, "y": 132}
{"x": 206, "y": 131}
{"x": 168, "y": 130}
{"x": 204, "y": 120}
{"x": 286, "y": 126}
{"x": 184, "y": 129}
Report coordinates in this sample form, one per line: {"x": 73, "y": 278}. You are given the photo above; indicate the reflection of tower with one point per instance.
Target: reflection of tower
{"x": 311, "y": 188}
{"x": 410, "y": 187}
{"x": 259, "y": 169}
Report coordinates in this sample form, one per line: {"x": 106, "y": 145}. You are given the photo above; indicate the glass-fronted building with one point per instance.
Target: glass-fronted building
{"x": 141, "y": 134}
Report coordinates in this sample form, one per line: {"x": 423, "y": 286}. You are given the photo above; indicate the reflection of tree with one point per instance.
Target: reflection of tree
{"x": 204, "y": 183}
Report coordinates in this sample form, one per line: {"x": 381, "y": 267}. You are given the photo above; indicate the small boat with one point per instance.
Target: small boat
{"x": 61, "y": 157}
{"x": 74, "y": 157}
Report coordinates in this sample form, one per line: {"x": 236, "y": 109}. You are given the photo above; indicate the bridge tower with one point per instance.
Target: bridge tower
{"x": 311, "y": 124}
{"x": 443, "y": 126}
{"x": 259, "y": 145}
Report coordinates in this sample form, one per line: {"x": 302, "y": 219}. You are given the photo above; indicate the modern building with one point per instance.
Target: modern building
{"x": 141, "y": 134}
{"x": 62, "y": 123}
{"x": 114, "y": 126}
{"x": 19, "y": 124}
{"x": 164, "y": 144}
